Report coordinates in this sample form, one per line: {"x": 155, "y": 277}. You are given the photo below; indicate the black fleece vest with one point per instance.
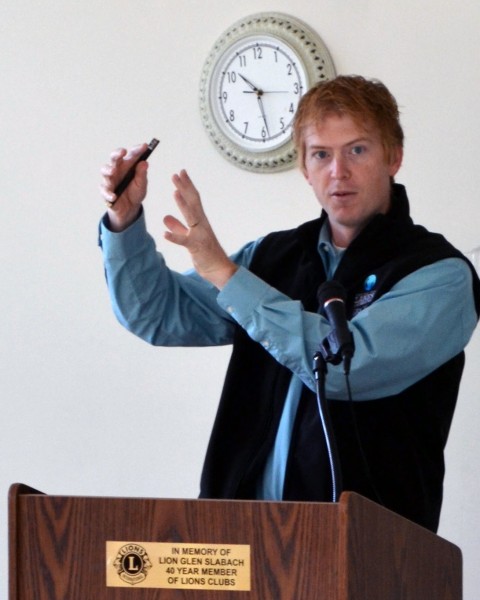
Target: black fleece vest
{"x": 402, "y": 437}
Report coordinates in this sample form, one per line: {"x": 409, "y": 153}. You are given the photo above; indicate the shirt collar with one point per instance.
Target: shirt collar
{"x": 329, "y": 253}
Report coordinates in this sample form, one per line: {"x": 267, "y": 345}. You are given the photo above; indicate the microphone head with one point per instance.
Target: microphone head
{"x": 329, "y": 290}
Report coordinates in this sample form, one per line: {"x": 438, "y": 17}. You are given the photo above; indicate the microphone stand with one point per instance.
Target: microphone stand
{"x": 320, "y": 360}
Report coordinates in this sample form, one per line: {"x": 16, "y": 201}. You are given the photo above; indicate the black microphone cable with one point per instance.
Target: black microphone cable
{"x": 338, "y": 346}
{"x": 320, "y": 370}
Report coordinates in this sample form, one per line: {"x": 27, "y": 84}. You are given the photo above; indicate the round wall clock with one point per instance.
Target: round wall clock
{"x": 251, "y": 84}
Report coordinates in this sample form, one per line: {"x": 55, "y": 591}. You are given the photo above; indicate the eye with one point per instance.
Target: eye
{"x": 321, "y": 154}
{"x": 358, "y": 150}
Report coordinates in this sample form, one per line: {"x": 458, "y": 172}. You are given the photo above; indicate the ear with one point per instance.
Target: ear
{"x": 396, "y": 161}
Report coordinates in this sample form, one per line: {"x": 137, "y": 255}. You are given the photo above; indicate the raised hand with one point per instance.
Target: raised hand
{"x": 196, "y": 235}
{"x": 123, "y": 210}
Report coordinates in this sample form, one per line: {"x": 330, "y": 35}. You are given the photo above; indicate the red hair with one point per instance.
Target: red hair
{"x": 367, "y": 102}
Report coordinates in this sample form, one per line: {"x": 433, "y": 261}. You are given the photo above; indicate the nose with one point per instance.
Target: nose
{"x": 339, "y": 167}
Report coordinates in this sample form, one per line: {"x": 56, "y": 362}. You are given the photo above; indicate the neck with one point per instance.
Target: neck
{"x": 342, "y": 237}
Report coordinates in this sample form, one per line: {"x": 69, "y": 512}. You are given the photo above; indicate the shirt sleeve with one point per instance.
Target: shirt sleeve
{"x": 423, "y": 321}
{"x": 161, "y": 306}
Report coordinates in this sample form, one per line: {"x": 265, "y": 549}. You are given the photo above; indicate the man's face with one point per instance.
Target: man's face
{"x": 347, "y": 169}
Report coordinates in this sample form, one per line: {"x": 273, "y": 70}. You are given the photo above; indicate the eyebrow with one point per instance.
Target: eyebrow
{"x": 352, "y": 143}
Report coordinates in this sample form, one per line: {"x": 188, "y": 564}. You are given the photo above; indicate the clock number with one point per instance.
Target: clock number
{"x": 246, "y": 128}
{"x": 291, "y": 109}
{"x": 243, "y": 60}
{"x": 296, "y": 88}
{"x": 282, "y": 123}
{"x": 225, "y": 97}
{"x": 289, "y": 69}
{"x": 232, "y": 116}
{"x": 264, "y": 133}
{"x": 231, "y": 76}
{"x": 257, "y": 53}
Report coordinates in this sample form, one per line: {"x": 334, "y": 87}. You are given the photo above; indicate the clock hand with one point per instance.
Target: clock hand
{"x": 250, "y": 84}
{"x": 257, "y": 91}
{"x": 261, "y": 92}
{"x": 260, "y": 103}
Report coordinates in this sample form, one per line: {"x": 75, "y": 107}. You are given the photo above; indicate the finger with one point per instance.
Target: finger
{"x": 107, "y": 185}
{"x": 188, "y": 199}
{"x": 110, "y": 174}
{"x": 123, "y": 153}
{"x": 122, "y": 159}
{"x": 177, "y": 232}
{"x": 107, "y": 170}
{"x": 185, "y": 187}
{"x": 192, "y": 216}
{"x": 175, "y": 225}
{"x": 135, "y": 151}
{"x": 117, "y": 155}
{"x": 183, "y": 180}
{"x": 106, "y": 193}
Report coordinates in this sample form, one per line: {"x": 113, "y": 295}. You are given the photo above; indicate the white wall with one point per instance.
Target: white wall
{"x": 88, "y": 409}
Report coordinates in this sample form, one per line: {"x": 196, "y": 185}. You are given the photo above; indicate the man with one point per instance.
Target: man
{"x": 411, "y": 298}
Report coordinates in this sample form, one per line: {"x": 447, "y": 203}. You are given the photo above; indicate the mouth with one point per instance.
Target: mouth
{"x": 342, "y": 194}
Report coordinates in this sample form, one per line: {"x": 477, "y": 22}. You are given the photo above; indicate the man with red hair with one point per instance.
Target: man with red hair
{"x": 412, "y": 301}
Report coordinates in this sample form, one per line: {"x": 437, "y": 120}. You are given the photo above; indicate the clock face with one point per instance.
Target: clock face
{"x": 251, "y": 84}
{"x": 255, "y": 91}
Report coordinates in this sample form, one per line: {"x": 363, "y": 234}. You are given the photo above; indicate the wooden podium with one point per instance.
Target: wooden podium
{"x": 89, "y": 548}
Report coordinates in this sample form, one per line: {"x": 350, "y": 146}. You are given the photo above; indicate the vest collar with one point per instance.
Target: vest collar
{"x": 380, "y": 226}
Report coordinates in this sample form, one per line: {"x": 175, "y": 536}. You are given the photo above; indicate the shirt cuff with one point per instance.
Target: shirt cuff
{"x": 123, "y": 244}
{"x": 243, "y": 293}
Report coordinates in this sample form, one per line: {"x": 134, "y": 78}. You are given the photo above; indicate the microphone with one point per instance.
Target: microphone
{"x": 331, "y": 297}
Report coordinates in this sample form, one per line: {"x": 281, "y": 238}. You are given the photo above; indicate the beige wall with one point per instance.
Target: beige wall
{"x": 86, "y": 407}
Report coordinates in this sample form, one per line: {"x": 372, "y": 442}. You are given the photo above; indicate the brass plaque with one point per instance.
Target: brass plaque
{"x": 180, "y": 566}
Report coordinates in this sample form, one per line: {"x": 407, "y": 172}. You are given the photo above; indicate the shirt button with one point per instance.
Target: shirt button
{"x": 265, "y": 344}
{"x": 230, "y": 310}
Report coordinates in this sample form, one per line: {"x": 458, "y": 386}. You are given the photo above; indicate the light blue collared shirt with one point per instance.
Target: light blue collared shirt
{"x": 433, "y": 306}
